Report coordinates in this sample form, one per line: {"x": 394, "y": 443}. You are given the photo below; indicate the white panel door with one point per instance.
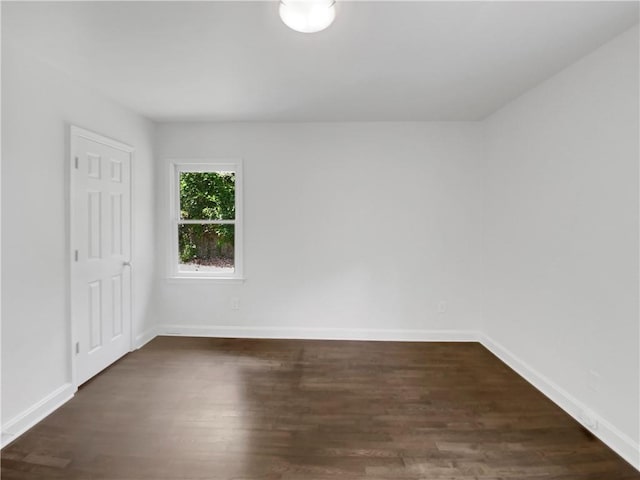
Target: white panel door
{"x": 100, "y": 252}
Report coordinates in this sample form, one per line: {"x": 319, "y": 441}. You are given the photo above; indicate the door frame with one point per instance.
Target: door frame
{"x": 74, "y": 132}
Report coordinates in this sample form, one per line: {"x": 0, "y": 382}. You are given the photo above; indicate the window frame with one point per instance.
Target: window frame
{"x": 204, "y": 165}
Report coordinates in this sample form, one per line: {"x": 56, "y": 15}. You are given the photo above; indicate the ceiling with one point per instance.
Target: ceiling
{"x": 236, "y": 61}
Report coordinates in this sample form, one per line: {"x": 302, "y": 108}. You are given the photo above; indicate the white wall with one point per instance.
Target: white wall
{"x": 347, "y": 226}
{"x": 38, "y": 105}
{"x": 561, "y": 232}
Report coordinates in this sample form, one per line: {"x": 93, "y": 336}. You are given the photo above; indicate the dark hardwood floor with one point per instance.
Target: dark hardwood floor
{"x": 197, "y": 408}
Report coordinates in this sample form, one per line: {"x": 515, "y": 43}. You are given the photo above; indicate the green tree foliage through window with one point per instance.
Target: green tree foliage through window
{"x": 207, "y": 196}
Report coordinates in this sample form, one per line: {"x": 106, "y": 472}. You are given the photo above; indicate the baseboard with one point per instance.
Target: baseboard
{"x": 145, "y": 337}
{"x": 618, "y": 441}
{"x": 303, "y": 333}
{"x": 37, "y": 412}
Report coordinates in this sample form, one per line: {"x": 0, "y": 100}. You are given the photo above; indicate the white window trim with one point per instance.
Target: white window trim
{"x": 204, "y": 165}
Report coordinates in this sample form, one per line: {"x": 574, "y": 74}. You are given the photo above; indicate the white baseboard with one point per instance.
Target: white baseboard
{"x": 37, "y": 412}
{"x": 618, "y": 441}
{"x": 303, "y": 333}
{"x": 145, "y": 337}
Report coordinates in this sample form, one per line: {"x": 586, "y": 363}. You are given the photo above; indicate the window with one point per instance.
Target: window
{"x": 207, "y": 220}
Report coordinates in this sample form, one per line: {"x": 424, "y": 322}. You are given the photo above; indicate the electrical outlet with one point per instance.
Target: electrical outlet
{"x": 442, "y": 306}
{"x": 593, "y": 381}
{"x": 235, "y": 303}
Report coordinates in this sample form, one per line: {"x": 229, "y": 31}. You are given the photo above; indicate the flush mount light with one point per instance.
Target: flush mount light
{"x": 307, "y": 16}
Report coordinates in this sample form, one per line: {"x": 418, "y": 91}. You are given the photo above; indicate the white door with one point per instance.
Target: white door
{"x": 100, "y": 252}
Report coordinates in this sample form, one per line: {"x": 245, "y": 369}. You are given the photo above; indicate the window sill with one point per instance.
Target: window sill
{"x": 194, "y": 279}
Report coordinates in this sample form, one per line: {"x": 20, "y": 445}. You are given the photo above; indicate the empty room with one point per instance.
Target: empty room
{"x": 320, "y": 239}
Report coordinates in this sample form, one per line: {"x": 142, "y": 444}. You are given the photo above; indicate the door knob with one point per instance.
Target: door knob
{"x": 126, "y": 264}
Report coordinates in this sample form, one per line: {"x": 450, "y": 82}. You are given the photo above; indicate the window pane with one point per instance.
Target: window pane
{"x": 206, "y": 248}
{"x": 207, "y": 195}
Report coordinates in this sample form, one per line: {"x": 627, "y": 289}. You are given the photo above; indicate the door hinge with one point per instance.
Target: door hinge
{"x": 77, "y": 348}
{"x": 76, "y": 162}
{"x": 75, "y": 255}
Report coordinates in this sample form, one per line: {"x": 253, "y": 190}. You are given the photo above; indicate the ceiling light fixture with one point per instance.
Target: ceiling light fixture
{"x": 307, "y": 16}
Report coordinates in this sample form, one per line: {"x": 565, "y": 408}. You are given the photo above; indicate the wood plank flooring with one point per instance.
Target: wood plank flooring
{"x": 198, "y": 408}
